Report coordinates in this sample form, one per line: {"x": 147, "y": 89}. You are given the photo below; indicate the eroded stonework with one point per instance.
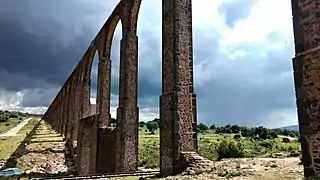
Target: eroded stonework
{"x": 97, "y": 146}
{"x": 178, "y": 122}
{"x": 306, "y": 65}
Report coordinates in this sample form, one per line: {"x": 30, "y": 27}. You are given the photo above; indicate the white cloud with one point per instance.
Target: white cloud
{"x": 237, "y": 55}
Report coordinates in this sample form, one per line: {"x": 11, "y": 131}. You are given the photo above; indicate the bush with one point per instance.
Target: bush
{"x": 142, "y": 124}
{"x": 4, "y": 117}
{"x": 237, "y": 136}
{"x": 230, "y": 149}
{"x": 286, "y": 140}
{"x": 13, "y": 115}
{"x": 152, "y": 126}
{"x": 202, "y": 128}
{"x": 294, "y": 153}
{"x": 235, "y": 129}
{"x": 267, "y": 144}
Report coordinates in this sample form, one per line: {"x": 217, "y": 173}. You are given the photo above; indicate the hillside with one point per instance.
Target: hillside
{"x": 291, "y": 128}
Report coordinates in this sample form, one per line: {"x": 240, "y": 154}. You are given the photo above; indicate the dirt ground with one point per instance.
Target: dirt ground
{"x": 251, "y": 169}
{"x": 46, "y": 153}
{"x": 15, "y": 130}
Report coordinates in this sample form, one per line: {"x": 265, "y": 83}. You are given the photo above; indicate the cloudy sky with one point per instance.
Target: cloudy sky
{"x": 242, "y": 53}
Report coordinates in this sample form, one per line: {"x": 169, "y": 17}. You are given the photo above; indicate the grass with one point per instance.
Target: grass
{"x": 209, "y": 147}
{"x": 9, "y": 124}
{"x": 8, "y": 145}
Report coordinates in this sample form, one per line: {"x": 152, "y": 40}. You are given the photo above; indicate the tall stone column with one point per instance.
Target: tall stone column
{"x": 57, "y": 116}
{"x": 75, "y": 122}
{"x": 178, "y": 121}
{"x": 60, "y": 119}
{"x": 85, "y": 103}
{"x": 128, "y": 112}
{"x": 104, "y": 79}
{"x": 306, "y": 65}
{"x": 69, "y": 108}
{"x": 65, "y": 112}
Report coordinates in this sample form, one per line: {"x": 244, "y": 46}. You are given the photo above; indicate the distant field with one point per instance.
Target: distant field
{"x": 9, "y": 124}
{"x": 210, "y": 147}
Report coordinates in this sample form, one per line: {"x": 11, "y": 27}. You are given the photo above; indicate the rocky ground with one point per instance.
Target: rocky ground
{"x": 46, "y": 154}
{"x": 250, "y": 169}
{"x": 15, "y": 130}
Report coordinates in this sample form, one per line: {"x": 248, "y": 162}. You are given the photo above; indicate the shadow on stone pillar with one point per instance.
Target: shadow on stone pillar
{"x": 86, "y": 156}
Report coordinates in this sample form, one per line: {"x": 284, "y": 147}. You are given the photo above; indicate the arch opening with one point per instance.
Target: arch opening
{"x": 115, "y": 71}
{"x": 94, "y": 83}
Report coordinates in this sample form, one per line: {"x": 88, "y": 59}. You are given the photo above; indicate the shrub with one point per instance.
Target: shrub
{"x": 286, "y": 140}
{"x": 13, "y": 115}
{"x": 230, "y": 149}
{"x": 152, "y": 126}
{"x": 237, "y": 136}
{"x": 294, "y": 153}
{"x": 235, "y": 129}
{"x": 4, "y": 117}
{"x": 267, "y": 144}
{"x": 142, "y": 124}
{"x": 202, "y": 128}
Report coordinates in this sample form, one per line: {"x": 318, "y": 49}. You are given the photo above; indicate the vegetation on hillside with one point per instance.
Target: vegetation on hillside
{"x": 230, "y": 141}
{"x": 10, "y": 119}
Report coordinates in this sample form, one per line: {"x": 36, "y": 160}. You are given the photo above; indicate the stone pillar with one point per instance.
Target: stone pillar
{"x": 86, "y": 160}
{"x": 56, "y": 116}
{"x": 59, "y": 106}
{"x": 128, "y": 112}
{"x": 306, "y": 66}
{"x": 71, "y": 108}
{"x": 75, "y": 122}
{"x": 103, "y": 117}
{"x": 65, "y": 110}
{"x": 178, "y": 123}
{"x": 104, "y": 81}
{"x": 62, "y": 118}
{"x": 86, "y": 96}
{"x": 85, "y": 102}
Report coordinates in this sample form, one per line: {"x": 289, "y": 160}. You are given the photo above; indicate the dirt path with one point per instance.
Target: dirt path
{"x": 47, "y": 153}
{"x": 15, "y": 130}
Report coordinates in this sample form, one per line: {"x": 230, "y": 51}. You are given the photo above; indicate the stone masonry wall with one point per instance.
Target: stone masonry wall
{"x": 86, "y": 162}
{"x": 106, "y": 150}
{"x": 306, "y": 65}
{"x": 178, "y": 123}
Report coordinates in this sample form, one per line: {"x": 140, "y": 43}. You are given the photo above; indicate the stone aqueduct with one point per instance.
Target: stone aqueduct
{"x": 97, "y": 147}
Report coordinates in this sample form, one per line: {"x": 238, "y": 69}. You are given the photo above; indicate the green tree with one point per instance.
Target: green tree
{"x": 202, "y": 128}
{"x": 272, "y": 133}
{"x": 261, "y": 131}
{"x": 213, "y": 127}
{"x": 245, "y": 131}
{"x": 152, "y": 126}
{"x": 235, "y": 129}
{"x": 157, "y": 120}
{"x": 142, "y": 124}
{"x": 4, "y": 117}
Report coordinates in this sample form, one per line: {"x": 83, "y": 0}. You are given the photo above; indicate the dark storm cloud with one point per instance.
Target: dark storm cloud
{"x": 38, "y": 97}
{"x": 42, "y": 41}
{"x": 234, "y": 10}
{"x": 34, "y": 46}
{"x": 248, "y": 92}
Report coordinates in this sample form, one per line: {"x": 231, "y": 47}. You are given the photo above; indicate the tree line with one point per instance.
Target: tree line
{"x": 260, "y": 131}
